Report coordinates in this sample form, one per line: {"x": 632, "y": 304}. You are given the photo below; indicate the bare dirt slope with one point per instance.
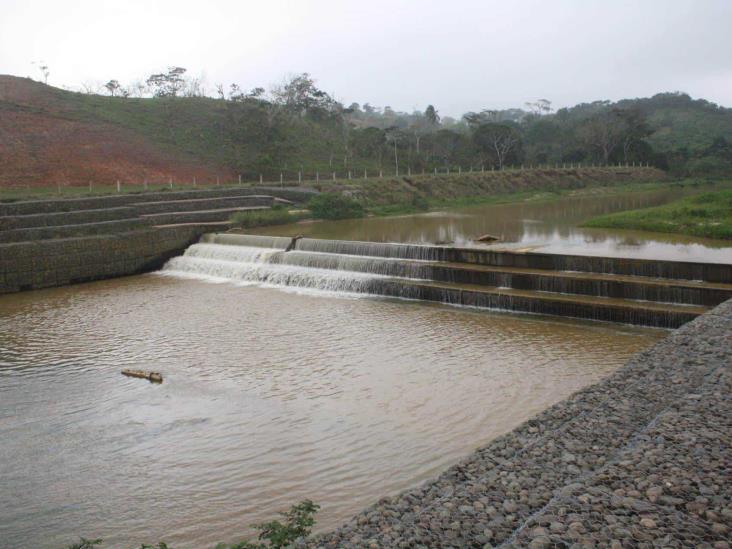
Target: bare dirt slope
{"x": 44, "y": 140}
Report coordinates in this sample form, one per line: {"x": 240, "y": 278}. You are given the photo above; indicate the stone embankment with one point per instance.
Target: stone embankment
{"x": 641, "y": 459}
{"x": 45, "y": 243}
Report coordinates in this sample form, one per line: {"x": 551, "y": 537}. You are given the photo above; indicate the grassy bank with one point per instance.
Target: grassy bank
{"x": 549, "y": 195}
{"x": 349, "y": 208}
{"x": 383, "y": 191}
{"x": 707, "y": 215}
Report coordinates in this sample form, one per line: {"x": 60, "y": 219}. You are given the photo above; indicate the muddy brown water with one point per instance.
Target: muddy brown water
{"x": 269, "y": 397}
{"x": 546, "y": 226}
{"x": 273, "y": 395}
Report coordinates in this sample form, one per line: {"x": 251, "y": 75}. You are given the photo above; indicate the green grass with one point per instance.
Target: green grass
{"x": 263, "y": 218}
{"x": 550, "y": 195}
{"x": 708, "y": 215}
{"x": 335, "y": 206}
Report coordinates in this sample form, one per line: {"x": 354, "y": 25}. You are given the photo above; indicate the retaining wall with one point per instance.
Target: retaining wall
{"x": 26, "y": 207}
{"x": 47, "y": 263}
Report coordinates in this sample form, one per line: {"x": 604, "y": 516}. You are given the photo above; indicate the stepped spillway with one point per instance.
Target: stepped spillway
{"x": 431, "y": 273}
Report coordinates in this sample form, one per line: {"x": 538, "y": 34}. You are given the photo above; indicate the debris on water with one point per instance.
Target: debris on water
{"x": 293, "y": 243}
{"x": 155, "y": 377}
{"x": 487, "y": 238}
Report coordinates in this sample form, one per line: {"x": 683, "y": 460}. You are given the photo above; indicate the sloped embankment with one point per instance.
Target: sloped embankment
{"x": 640, "y": 458}
{"x": 386, "y": 191}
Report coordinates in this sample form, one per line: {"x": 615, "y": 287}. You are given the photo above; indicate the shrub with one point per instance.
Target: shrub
{"x": 299, "y": 521}
{"x": 334, "y": 206}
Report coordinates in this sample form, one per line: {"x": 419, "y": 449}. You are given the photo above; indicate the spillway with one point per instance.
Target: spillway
{"x": 476, "y": 278}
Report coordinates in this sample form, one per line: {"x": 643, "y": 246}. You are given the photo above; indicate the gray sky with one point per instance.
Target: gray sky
{"x": 459, "y": 55}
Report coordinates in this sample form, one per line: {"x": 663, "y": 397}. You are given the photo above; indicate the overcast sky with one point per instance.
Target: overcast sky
{"x": 460, "y": 55}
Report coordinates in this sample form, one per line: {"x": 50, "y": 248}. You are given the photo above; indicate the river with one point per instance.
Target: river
{"x": 274, "y": 394}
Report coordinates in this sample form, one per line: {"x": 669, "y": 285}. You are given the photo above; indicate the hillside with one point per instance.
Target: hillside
{"x": 50, "y": 136}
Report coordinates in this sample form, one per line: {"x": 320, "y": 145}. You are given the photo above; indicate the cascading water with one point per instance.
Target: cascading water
{"x": 430, "y": 273}
{"x": 272, "y": 267}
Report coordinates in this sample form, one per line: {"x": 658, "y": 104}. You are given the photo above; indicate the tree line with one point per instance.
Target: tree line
{"x": 297, "y": 125}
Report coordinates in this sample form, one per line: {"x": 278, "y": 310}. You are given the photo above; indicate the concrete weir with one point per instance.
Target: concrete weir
{"x": 659, "y": 293}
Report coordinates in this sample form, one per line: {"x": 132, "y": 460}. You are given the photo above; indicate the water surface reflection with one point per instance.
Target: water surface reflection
{"x": 543, "y": 226}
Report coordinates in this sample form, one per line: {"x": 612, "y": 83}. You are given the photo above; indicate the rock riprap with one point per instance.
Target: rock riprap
{"x": 641, "y": 459}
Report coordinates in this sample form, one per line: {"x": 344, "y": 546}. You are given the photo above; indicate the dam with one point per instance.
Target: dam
{"x": 663, "y": 294}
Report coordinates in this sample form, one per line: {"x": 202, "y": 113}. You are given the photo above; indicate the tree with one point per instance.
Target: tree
{"x": 603, "y": 133}
{"x": 113, "y": 87}
{"x": 167, "y": 84}
{"x": 445, "y": 144}
{"x": 431, "y": 115}
{"x": 539, "y": 107}
{"x": 394, "y": 135}
{"x": 369, "y": 143}
{"x": 301, "y": 96}
{"x": 496, "y": 139}
{"x": 475, "y": 119}
{"x": 635, "y": 129}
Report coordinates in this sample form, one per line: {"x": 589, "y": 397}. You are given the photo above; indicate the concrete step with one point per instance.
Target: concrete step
{"x": 202, "y": 216}
{"x": 76, "y": 217}
{"x": 74, "y": 230}
{"x": 563, "y": 282}
{"x": 625, "y": 311}
{"x": 202, "y": 204}
{"x": 679, "y": 270}
{"x": 641, "y": 288}
{"x": 26, "y": 207}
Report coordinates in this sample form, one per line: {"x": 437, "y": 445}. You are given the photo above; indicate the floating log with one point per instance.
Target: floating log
{"x": 155, "y": 377}
{"x": 487, "y": 238}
